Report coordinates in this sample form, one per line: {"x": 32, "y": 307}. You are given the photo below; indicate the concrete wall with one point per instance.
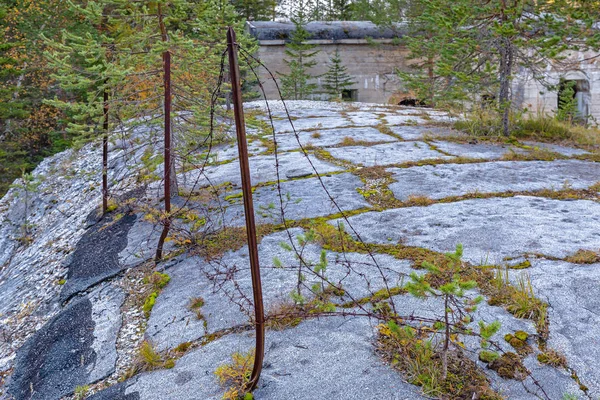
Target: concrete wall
{"x": 371, "y": 66}
{"x": 582, "y": 67}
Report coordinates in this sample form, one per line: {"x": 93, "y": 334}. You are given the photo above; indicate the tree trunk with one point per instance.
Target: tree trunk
{"x": 506, "y": 66}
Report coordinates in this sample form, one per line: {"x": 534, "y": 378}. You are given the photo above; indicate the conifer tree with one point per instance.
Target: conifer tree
{"x": 300, "y": 58}
{"x": 454, "y": 62}
{"x": 337, "y": 78}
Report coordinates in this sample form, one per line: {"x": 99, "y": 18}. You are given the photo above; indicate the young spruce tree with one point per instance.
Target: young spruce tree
{"x": 296, "y": 84}
{"x": 337, "y": 78}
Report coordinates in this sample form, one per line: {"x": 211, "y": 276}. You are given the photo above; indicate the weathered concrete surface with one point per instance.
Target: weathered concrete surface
{"x": 489, "y": 229}
{"x": 485, "y": 151}
{"x": 385, "y": 154}
{"x": 173, "y": 322}
{"x": 331, "y": 358}
{"x": 331, "y": 137}
{"x": 303, "y": 198}
{"x": 445, "y": 180}
{"x": 262, "y": 169}
{"x": 96, "y": 256}
{"x": 76, "y": 347}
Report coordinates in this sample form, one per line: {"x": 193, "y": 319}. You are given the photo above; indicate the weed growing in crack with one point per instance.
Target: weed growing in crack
{"x": 157, "y": 282}
{"x": 236, "y": 376}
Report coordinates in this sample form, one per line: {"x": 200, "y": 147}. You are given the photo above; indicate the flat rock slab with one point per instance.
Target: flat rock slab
{"x": 573, "y": 292}
{"x": 76, "y": 347}
{"x": 262, "y": 169}
{"x": 386, "y": 154}
{"x": 331, "y": 137}
{"x": 303, "y": 124}
{"x": 142, "y": 239}
{"x": 562, "y": 150}
{"x": 303, "y": 198}
{"x": 173, "y": 322}
{"x": 331, "y": 358}
{"x": 484, "y": 151}
{"x": 445, "y": 180}
{"x": 96, "y": 256}
{"x": 230, "y": 151}
{"x": 489, "y": 229}
{"x": 408, "y": 132}
{"x": 406, "y": 119}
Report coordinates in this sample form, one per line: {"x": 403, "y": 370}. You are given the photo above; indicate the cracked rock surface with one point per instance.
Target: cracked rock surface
{"x": 78, "y": 294}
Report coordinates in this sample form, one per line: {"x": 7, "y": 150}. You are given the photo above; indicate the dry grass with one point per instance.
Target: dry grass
{"x": 236, "y": 375}
{"x": 553, "y": 358}
{"x": 417, "y": 200}
{"x": 584, "y": 257}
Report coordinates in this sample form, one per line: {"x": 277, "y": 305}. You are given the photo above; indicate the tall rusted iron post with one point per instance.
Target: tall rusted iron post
{"x": 105, "y": 153}
{"x": 167, "y": 153}
{"x": 240, "y": 127}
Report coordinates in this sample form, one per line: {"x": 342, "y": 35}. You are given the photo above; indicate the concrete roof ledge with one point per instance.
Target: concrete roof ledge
{"x": 325, "y": 32}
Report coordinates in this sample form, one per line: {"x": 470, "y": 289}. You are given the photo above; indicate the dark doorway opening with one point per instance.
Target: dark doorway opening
{"x": 349, "y": 95}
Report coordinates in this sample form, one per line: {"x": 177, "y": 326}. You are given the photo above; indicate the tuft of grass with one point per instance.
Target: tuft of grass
{"x": 519, "y": 299}
{"x": 81, "y": 392}
{"x": 149, "y": 357}
{"x": 316, "y": 135}
{"x": 583, "y": 257}
{"x": 553, "y": 358}
{"x": 196, "y": 303}
{"x": 283, "y": 315}
{"x": 158, "y": 280}
{"x": 417, "y": 200}
{"x": 236, "y": 375}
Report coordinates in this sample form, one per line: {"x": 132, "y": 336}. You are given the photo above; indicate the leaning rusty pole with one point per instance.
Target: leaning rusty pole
{"x": 259, "y": 314}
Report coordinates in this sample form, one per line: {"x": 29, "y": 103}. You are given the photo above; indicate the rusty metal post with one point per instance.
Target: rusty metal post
{"x": 105, "y": 152}
{"x": 167, "y": 153}
{"x": 259, "y": 313}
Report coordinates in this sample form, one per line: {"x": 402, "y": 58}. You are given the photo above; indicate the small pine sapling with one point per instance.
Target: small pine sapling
{"x": 451, "y": 288}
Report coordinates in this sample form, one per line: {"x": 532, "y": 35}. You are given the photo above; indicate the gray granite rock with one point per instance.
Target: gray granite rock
{"x": 484, "y": 151}
{"x": 562, "y": 150}
{"x": 262, "y": 169}
{"x": 489, "y": 229}
{"x": 331, "y": 137}
{"x": 405, "y": 120}
{"x": 302, "y": 124}
{"x": 439, "y": 181}
{"x": 573, "y": 293}
{"x": 96, "y": 255}
{"x": 408, "y": 132}
{"x": 142, "y": 239}
{"x": 172, "y": 321}
{"x": 76, "y": 347}
{"x": 385, "y": 154}
{"x": 303, "y": 198}
{"x": 331, "y": 358}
